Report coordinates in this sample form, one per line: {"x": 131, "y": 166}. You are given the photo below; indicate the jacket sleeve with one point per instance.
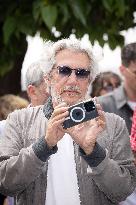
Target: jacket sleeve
{"x": 19, "y": 166}
{"x": 116, "y": 174}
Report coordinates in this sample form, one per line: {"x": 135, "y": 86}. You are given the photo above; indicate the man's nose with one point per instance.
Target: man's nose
{"x": 72, "y": 78}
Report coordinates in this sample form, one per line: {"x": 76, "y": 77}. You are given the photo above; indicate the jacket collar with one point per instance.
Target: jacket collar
{"x": 48, "y": 108}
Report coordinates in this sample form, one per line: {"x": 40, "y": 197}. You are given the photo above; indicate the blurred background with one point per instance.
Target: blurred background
{"x": 106, "y": 24}
{"x": 109, "y": 60}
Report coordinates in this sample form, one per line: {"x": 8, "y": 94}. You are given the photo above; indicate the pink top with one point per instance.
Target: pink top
{"x": 133, "y": 133}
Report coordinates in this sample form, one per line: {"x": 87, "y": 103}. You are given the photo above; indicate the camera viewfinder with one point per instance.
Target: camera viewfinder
{"x": 89, "y": 106}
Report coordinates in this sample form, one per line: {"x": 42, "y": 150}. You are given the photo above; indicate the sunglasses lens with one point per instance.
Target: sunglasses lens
{"x": 64, "y": 71}
{"x": 82, "y": 73}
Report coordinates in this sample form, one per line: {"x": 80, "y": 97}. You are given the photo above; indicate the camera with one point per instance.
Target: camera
{"x": 79, "y": 113}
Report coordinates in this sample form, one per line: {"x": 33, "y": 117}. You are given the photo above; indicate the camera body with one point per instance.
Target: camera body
{"x": 79, "y": 113}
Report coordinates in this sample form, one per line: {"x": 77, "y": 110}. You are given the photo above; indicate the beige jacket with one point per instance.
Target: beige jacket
{"x": 24, "y": 175}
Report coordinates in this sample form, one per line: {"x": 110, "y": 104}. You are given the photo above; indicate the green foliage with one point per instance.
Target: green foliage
{"x": 49, "y": 15}
{"x": 21, "y": 18}
{"x": 78, "y": 10}
{"x": 8, "y": 28}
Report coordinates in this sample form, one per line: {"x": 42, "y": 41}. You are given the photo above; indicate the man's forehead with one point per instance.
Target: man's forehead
{"x": 73, "y": 56}
{"x": 73, "y": 51}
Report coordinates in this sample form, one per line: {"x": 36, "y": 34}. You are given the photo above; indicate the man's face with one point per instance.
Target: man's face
{"x": 66, "y": 86}
{"x": 41, "y": 93}
{"x": 130, "y": 76}
{"x": 38, "y": 94}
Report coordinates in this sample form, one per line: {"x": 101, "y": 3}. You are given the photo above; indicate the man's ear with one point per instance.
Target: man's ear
{"x": 31, "y": 91}
{"x": 122, "y": 68}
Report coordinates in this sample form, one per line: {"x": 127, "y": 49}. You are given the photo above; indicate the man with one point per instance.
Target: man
{"x": 88, "y": 164}
{"x": 8, "y": 103}
{"x": 36, "y": 87}
{"x": 36, "y": 90}
{"x": 123, "y": 99}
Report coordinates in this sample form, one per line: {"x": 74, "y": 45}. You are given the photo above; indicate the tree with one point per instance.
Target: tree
{"x": 27, "y": 17}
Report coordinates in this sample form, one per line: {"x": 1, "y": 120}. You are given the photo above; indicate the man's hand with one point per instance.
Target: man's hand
{"x": 54, "y": 131}
{"x": 128, "y": 74}
{"x": 85, "y": 134}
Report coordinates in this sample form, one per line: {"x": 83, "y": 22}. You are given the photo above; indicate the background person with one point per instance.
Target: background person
{"x": 36, "y": 87}
{"x": 8, "y": 103}
{"x": 104, "y": 83}
{"x": 122, "y": 100}
{"x": 36, "y": 90}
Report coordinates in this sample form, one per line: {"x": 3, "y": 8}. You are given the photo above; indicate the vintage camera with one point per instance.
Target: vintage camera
{"x": 79, "y": 113}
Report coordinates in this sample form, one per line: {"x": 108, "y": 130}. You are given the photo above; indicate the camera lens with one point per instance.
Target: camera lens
{"x": 77, "y": 114}
{"x": 89, "y": 106}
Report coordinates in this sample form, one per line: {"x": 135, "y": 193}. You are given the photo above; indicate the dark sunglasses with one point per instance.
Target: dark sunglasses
{"x": 66, "y": 71}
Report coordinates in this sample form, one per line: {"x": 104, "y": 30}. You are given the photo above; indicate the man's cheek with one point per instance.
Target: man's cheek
{"x": 132, "y": 77}
{"x": 128, "y": 74}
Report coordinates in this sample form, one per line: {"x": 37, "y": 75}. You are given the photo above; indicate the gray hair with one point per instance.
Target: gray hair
{"x": 35, "y": 73}
{"x": 52, "y": 48}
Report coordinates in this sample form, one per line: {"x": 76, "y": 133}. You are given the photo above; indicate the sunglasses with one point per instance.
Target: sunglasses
{"x": 66, "y": 71}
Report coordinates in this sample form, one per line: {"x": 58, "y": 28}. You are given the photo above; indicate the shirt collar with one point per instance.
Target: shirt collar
{"x": 30, "y": 105}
